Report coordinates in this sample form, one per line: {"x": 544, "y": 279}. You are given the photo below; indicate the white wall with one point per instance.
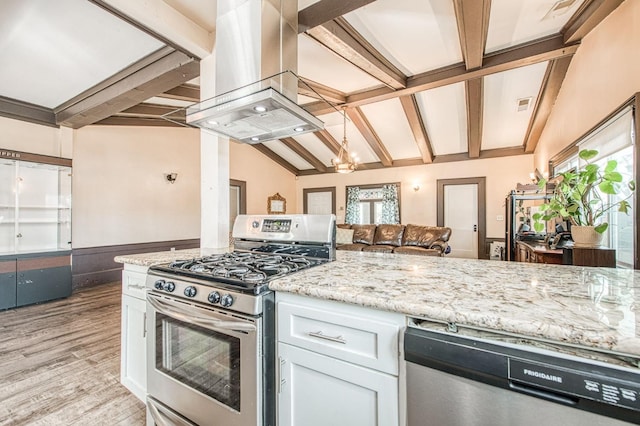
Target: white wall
{"x": 604, "y": 73}
{"x": 264, "y": 178}
{"x": 120, "y": 194}
{"x": 502, "y": 175}
{"x": 34, "y": 138}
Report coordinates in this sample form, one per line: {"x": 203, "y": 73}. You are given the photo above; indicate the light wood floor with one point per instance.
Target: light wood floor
{"x": 60, "y": 363}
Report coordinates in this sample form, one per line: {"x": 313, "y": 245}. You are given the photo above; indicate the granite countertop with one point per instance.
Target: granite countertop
{"x": 148, "y": 259}
{"x": 588, "y": 307}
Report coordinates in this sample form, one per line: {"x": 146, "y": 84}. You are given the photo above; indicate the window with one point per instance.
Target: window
{"x": 373, "y": 204}
{"x": 613, "y": 140}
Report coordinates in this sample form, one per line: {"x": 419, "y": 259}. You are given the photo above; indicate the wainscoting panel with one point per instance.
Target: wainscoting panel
{"x": 94, "y": 265}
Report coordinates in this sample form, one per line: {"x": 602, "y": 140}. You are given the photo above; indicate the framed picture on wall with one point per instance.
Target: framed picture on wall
{"x": 276, "y": 204}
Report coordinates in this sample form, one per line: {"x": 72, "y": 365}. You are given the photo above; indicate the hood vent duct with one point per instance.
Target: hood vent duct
{"x": 255, "y": 81}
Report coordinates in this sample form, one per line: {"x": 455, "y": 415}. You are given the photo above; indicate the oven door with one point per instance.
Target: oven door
{"x": 203, "y": 362}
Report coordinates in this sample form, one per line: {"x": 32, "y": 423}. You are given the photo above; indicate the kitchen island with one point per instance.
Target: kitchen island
{"x": 596, "y": 308}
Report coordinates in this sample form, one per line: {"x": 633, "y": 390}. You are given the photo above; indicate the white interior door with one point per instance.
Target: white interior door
{"x": 319, "y": 203}
{"x": 461, "y": 215}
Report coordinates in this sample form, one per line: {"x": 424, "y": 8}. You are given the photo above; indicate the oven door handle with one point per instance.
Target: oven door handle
{"x": 182, "y": 314}
{"x": 165, "y": 418}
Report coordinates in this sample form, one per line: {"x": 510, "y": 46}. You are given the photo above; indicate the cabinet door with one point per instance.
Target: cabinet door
{"x": 7, "y": 284}
{"x": 133, "y": 349}
{"x": 317, "y": 390}
{"x": 44, "y": 278}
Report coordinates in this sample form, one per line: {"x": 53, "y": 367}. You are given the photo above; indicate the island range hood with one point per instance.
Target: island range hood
{"x": 255, "y": 81}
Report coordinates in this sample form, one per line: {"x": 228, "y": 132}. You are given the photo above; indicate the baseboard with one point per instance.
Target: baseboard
{"x": 95, "y": 265}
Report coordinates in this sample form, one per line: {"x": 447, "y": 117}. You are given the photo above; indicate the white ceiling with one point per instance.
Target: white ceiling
{"x": 52, "y": 51}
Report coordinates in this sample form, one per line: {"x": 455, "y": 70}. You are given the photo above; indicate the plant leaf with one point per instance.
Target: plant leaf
{"x": 624, "y": 207}
{"x": 613, "y": 176}
{"x": 601, "y": 228}
{"x": 632, "y": 185}
{"x": 607, "y": 188}
{"x": 611, "y": 166}
{"x": 538, "y": 226}
{"x": 588, "y": 154}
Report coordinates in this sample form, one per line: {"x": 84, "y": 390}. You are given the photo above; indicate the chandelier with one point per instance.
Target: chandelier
{"x": 344, "y": 162}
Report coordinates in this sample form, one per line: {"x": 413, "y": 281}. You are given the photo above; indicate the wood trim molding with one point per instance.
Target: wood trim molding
{"x": 326, "y": 10}
{"x": 305, "y": 191}
{"x": 342, "y": 39}
{"x": 366, "y": 129}
{"x": 482, "y": 204}
{"x": 554, "y": 76}
{"x": 276, "y": 158}
{"x": 163, "y": 74}
{"x": 24, "y": 111}
{"x": 35, "y": 158}
{"x": 95, "y": 265}
{"x": 636, "y": 174}
{"x": 307, "y": 156}
{"x": 412, "y": 112}
{"x": 590, "y": 14}
{"x": 243, "y": 194}
{"x": 475, "y": 99}
{"x": 473, "y": 25}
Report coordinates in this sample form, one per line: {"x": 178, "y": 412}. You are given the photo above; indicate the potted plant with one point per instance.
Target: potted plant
{"x": 581, "y": 197}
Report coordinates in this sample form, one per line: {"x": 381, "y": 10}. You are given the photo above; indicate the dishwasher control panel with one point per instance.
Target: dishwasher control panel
{"x": 583, "y": 384}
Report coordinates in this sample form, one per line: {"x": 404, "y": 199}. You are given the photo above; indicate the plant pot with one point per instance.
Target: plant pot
{"x": 586, "y": 237}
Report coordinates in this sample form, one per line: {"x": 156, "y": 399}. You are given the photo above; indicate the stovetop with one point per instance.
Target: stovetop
{"x": 242, "y": 271}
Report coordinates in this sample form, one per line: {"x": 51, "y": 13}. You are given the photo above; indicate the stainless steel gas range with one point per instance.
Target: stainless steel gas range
{"x": 211, "y": 323}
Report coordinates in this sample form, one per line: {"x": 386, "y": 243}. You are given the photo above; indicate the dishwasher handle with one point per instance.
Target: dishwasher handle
{"x": 543, "y": 394}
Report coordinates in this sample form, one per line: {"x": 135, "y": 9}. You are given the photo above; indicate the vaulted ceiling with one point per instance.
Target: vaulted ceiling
{"x": 421, "y": 81}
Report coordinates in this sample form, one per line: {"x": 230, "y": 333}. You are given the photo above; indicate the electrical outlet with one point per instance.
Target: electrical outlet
{"x": 499, "y": 217}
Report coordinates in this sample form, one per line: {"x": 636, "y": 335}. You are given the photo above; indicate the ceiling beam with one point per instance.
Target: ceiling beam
{"x": 183, "y": 92}
{"x": 341, "y": 38}
{"x": 164, "y": 23}
{"x": 328, "y": 140}
{"x": 590, "y": 14}
{"x": 319, "y": 91}
{"x": 304, "y": 153}
{"x": 556, "y": 71}
{"x": 276, "y": 158}
{"x": 366, "y": 130}
{"x": 145, "y": 110}
{"x": 136, "y": 121}
{"x": 474, "y": 90}
{"x": 163, "y": 74}
{"x": 509, "y": 59}
{"x": 24, "y": 111}
{"x": 516, "y": 57}
{"x": 326, "y": 10}
{"x": 473, "y": 25}
{"x": 411, "y": 111}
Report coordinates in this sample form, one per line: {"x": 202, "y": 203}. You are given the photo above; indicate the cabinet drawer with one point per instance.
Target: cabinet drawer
{"x": 133, "y": 284}
{"x": 341, "y": 334}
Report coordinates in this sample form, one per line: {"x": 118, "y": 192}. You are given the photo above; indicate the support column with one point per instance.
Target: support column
{"x": 214, "y": 173}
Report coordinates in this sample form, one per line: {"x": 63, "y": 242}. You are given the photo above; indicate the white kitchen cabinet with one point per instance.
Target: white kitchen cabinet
{"x": 339, "y": 364}
{"x": 320, "y": 390}
{"x": 133, "y": 348}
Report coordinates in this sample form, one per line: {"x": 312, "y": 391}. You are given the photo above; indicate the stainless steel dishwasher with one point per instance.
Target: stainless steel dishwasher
{"x": 477, "y": 378}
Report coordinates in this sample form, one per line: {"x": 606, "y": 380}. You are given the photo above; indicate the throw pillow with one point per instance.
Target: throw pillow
{"x": 344, "y": 236}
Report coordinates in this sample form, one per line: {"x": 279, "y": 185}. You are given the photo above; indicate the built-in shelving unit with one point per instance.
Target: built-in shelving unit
{"x": 35, "y": 228}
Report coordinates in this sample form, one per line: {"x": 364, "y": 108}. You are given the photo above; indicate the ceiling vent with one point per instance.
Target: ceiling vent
{"x": 524, "y": 104}
{"x": 559, "y": 8}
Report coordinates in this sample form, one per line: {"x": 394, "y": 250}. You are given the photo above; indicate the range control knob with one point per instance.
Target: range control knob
{"x": 190, "y": 291}
{"x": 214, "y": 297}
{"x": 159, "y": 284}
{"x": 226, "y": 300}
{"x": 169, "y": 286}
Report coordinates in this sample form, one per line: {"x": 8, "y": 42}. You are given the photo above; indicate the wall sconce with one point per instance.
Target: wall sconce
{"x": 416, "y": 187}
{"x": 171, "y": 177}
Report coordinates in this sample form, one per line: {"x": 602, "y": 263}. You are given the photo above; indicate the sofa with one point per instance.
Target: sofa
{"x": 406, "y": 239}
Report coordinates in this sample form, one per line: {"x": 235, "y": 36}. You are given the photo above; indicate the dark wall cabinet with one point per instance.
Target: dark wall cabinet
{"x": 34, "y": 278}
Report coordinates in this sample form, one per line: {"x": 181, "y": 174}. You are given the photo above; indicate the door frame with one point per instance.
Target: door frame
{"x": 243, "y": 194}
{"x": 481, "y": 182}
{"x": 331, "y": 189}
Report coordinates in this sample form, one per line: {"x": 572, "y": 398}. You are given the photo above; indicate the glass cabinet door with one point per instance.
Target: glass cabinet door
{"x": 35, "y": 207}
{"x": 8, "y": 206}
